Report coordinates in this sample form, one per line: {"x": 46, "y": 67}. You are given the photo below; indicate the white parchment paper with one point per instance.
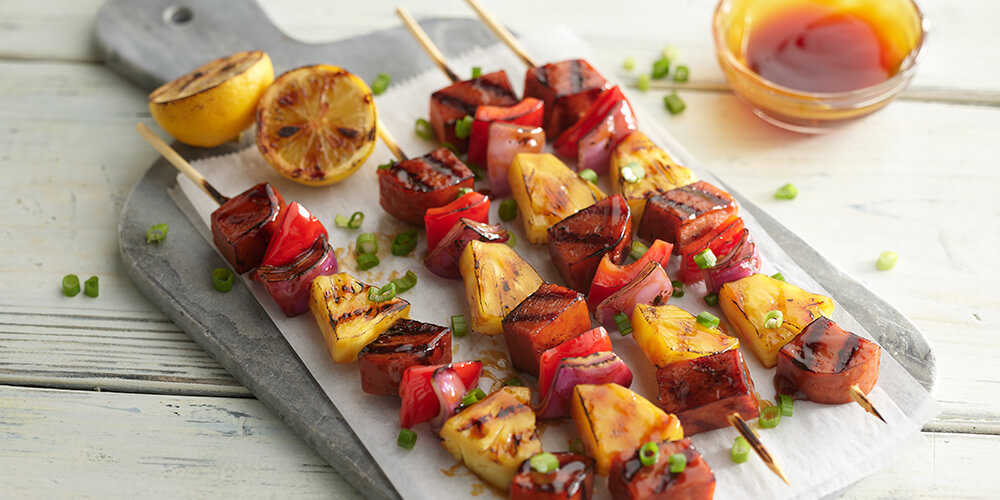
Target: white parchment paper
{"x": 822, "y": 448}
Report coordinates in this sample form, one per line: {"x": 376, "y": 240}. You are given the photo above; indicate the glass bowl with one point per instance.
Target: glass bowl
{"x": 901, "y": 23}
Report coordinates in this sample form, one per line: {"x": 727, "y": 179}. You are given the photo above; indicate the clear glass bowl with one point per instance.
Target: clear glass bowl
{"x": 814, "y": 112}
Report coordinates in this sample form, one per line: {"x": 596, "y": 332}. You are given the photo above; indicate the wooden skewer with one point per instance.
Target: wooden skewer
{"x": 501, "y": 32}
{"x": 179, "y": 163}
{"x": 859, "y": 397}
{"x": 390, "y": 142}
{"x": 426, "y": 43}
{"x": 741, "y": 426}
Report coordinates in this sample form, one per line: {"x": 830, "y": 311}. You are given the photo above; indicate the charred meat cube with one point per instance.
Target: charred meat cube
{"x": 568, "y": 88}
{"x": 406, "y": 343}
{"x": 578, "y": 243}
{"x": 242, "y": 227}
{"x": 703, "y": 391}
{"x": 546, "y": 318}
{"x": 443, "y": 259}
{"x": 630, "y": 480}
{"x": 529, "y": 113}
{"x": 573, "y": 480}
{"x": 824, "y": 361}
{"x": 408, "y": 188}
{"x": 454, "y": 102}
{"x": 684, "y": 214}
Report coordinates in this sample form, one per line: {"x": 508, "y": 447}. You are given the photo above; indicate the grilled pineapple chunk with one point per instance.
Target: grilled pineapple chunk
{"x": 668, "y": 333}
{"x": 612, "y": 419}
{"x": 547, "y": 191}
{"x": 746, "y": 302}
{"x": 662, "y": 172}
{"x": 496, "y": 279}
{"x": 494, "y": 436}
{"x": 348, "y": 320}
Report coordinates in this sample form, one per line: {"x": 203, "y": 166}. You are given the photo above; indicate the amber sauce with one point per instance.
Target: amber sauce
{"x": 818, "y": 48}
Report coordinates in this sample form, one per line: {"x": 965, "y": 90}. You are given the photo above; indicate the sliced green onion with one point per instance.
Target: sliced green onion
{"x": 513, "y": 382}
{"x": 707, "y": 319}
{"x": 477, "y": 71}
{"x": 769, "y": 417}
{"x": 463, "y": 127}
{"x": 629, "y": 63}
{"x": 366, "y": 243}
{"x": 712, "y": 299}
{"x": 544, "y": 462}
{"x": 773, "y": 319}
{"x": 778, "y": 276}
{"x": 508, "y": 209}
{"x": 386, "y": 293}
{"x": 638, "y": 250}
{"x": 408, "y": 281}
{"x": 156, "y": 233}
{"x": 671, "y": 52}
{"x": 681, "y": 74}
{"x": 589, "y": 175}
{"x": 621, "y": 321}
{"x": 71, "y": 285}
{"x": 452, "y": 148}
{"x": 678, "y": 288}
{"x": 458, "y": 327}
{"x": 886, "y": 260}
{"x": 512, "y": 240}
{"x": 472, "y": 397}
{"x": 678, "y": 462}
{"x": 576, "y": 446}
{"x": 649, "y": 454}
{"x": 91, "y": 287}
{"x": 661, "y": 67}
{"x": 786, "y": 192}
{"x": 741, "y": 450}
{"x": 407, "y": 439}
{"x": 381, "y": 83}
{"x": 477, "y": 172}
{"x": 404, "y": 242}
{"x": 367, "y": 261}
{"x": 787, "y": 405}
{"x": 705, "y": 259}
{"x": 643, "y": 82}
{"x": 633, "y": 172}
{"x": 423, "y": 129}
{"x": 387, "y": 165}
{"x": 357, "y": 218}
{"x": 341, "y": 220}
{"x": 222, "y": 279}
{"x": 462, "y": 191}
{"x": 674, "y": 103}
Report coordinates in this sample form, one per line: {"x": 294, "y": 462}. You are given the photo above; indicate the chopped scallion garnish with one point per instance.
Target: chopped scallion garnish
{"x": 452, "y": 148}
{"x": 511, "y": 239}
{"x": 712, "y": 299}
{"x": 707, "y": 319}
{"x": 671, "y": 52}
{"x": 404, "y": 242}
{"x": 387, "y": 292}
{"x": 71, "y": 285}
{"x": 589, "y": 175}
{"x": 408, "y": 281}
{"x": 674, "y": 103}
{"x": 222, "y": 279}
{"x": 678, "y": 462}
{"x": 544, "y": 462}
{"x": 649, "y": 454}
{"x": 705, "y": 259}
{"x": 367, "y": 261}
{"x": 477, "y": 71}
{"x": 387, "y": 165}
{"x": 786, "y": 192}
{"x": 622, "y": 322}
{"x": 458, "y": 327}
{"x": 741, "y": 450}
{"x": 778, "y": 276}
{"x": 678, "y": 287}
{"x": 462, "y": 191}
{"x": 407, "y": 439}
{"x": 769, "y": 417}
{"x": 660, "y": 68}
{"x": 91, "y": 287}
{"x": 477, "y": 172}
{"x": 463, "y": 127}
{"x": 423, "y": 129}
{"x": 633, "y": 172}
{"x": 156, "y": 233}
{"x": 366, "y": 243}
{"x": 787, "y": 405}
{"x": 638, "y": 250}
{"x": 508, "y": 209}
{"x": 381, "y": 83}
{"x": 681, "y": 74}
{"x": 629, "y": 63}
{"x": 576, "y": 446}
{"x": 886, "y": 260}
{"x": 472, "y": 397}
{"x": 643, "y": 82}
{"x": 513, "y": 382}
{"x": 357, "y": 218}
{"x": 773, "y": 319}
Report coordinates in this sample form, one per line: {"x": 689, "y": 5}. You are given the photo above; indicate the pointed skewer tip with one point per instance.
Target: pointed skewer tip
{"x": 859, "y": 397}
{"x": 748, "y": 433}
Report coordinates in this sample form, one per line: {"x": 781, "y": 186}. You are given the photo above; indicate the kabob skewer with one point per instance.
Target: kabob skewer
{"x": 426, "y": 43}
{"x": 502, "y": 33}
{"x": 180, "y": 163}
{"x": 741, "y": 426}
{"x": 859, "y": 397}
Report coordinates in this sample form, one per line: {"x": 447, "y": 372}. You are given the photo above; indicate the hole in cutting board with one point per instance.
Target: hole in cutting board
{"x": 177, "y": 14}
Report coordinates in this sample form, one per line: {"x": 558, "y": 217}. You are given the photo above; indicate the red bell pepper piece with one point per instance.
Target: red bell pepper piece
{"x": 567, "y": 143}
{"x": 529, "y": 111}
{"x": 297, "y": 230}
{"x": 420, "y": 404}
{"x": 611, "y": 277}
{"x": 439, "y": 220}
{"x": 585, "y": 344}
{"x": 721, "y": 240}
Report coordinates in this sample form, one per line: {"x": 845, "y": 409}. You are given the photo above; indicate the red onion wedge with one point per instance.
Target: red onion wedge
{"x": 289, "y": 284}
{"x": 449, "y": 389}
{"x": 443, "y": 260}
{"x": 743, "y": 261}
{"x": 598, "y": 368}
{"x": 651, "y": 286}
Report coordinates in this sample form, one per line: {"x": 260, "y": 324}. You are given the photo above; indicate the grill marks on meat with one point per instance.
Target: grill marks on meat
{"x": 578, "y": 243}
{"x": 682, "y": 215}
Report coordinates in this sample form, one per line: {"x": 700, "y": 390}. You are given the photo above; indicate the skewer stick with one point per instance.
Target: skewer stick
{"x": 741, "y": 426}
{"x": 426, "y": 43}
{"x": 180, "y": 163}
{"x": 390, "y": 142}
{"x": 501, "y": 32}
{"x": 859, "y": 397}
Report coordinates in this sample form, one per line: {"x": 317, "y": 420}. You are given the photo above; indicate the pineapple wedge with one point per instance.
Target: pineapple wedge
{"x": 746, "y": 302}
{"x": 662, "y": 172}
{"x": 612, "y": 419}
{"x": 668, "y": 333}
{"x": 348, "y": 320}
{"x": 494, "y": 436}
{"x": 547, "y": 191}
{"x": 496, "y": 279}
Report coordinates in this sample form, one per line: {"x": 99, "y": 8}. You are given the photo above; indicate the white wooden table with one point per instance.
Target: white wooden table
{"x": 106, "y": 397}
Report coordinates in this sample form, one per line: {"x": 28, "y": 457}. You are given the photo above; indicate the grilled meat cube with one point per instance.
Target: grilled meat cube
{"x": 567, "y": 88}
{"x": 579, "y": 241}
{"x": 573, "y": 480}
{"x": 455, "y": 101}
{"x": 529, "y": 113}
{"x": 443, "y": 259}
{"x": 243, "y": 226}
{"x": 505, "y": 142}
{"x": 630, "y": 480}
{"x": 496, "y": 280}
{"x": 667, "y": 334}
{"x": 662, "y": 173}
{"x": 406, "y": 343}
{"x": 824, "y": 361}
{"x": 703, "y": 391}
{"x": 546, "y": 318}
{"x": 408, "y": 188}
{"x": 547, "y": 191}
{"x": 684, "y": 214}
